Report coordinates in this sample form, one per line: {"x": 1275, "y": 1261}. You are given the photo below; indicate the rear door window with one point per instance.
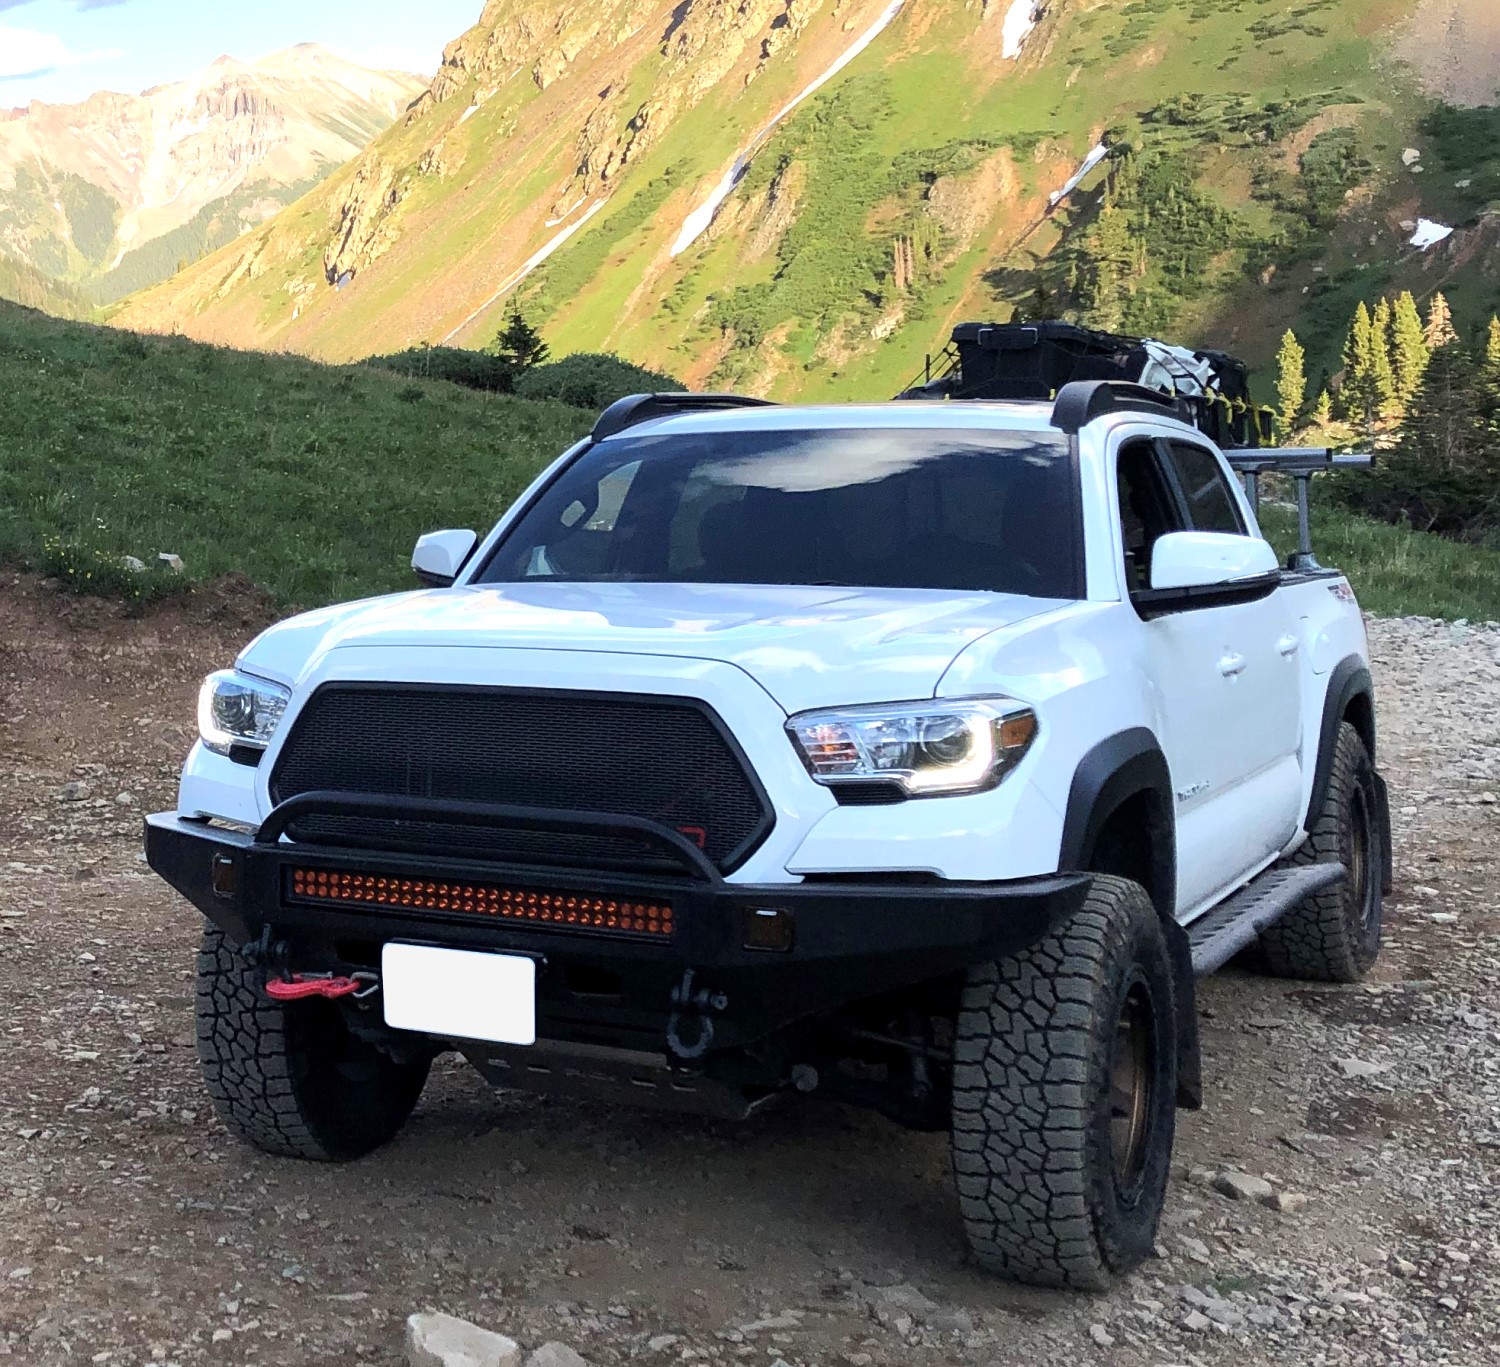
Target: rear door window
{"x": 1205, "y": 488}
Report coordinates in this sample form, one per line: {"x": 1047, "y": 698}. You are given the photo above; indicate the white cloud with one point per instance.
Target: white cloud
{"x": 26, "y": 52}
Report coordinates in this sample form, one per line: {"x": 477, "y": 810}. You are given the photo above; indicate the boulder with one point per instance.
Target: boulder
{"x": 446, "y": 1341}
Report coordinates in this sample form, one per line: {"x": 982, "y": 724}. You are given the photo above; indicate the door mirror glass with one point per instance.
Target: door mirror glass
{"x": 1191, "y": 560}
{"x": 439, "y": 556}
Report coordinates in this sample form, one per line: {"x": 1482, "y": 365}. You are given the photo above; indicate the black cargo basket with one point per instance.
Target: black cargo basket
{"x": 1032, "y": 361}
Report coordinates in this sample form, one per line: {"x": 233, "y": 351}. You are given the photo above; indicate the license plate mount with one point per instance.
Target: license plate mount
{"x": 459, "y": 993}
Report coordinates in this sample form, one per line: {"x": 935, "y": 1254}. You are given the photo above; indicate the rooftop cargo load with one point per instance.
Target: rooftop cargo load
{"x": 1033, "y": 361}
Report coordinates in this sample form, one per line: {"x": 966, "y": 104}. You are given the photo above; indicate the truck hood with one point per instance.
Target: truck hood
{"x": 806, "y": 646}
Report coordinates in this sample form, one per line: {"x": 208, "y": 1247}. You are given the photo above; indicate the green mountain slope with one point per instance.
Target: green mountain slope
{"x": 312, "y": 480}
{"x": 1259, "y": 177}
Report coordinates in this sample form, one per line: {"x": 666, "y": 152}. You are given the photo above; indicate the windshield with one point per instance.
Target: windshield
{"x": 901, "y": 508}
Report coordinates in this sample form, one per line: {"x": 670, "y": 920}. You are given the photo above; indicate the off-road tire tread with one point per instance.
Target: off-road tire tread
{"x": 1313, "y": 941}
{"x": 250, "y": 1065}
{"x": 242, "y": 1045}
{"x": 1020, "y": 1107}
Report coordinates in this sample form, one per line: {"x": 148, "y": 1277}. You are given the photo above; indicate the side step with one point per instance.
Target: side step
{"x": 1233, "y": 925}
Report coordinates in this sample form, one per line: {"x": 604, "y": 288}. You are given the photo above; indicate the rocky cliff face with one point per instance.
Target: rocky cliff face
{"x": 83, "y": 186}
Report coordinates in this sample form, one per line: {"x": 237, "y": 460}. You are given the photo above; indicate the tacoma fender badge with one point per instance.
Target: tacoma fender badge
{"x": 1188, "y": 794}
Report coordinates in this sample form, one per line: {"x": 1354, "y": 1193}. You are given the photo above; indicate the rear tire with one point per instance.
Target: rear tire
{"x": 1334, "y": 937}
{"x": 1064, "y": 1096}
{"x": 291, "y": 1079}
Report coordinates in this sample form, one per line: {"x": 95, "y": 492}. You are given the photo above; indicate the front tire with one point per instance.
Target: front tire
{"x": 291, "y": 1079}
{"x": 1334, "y": 937}
{"x": 1064, "y": 1096}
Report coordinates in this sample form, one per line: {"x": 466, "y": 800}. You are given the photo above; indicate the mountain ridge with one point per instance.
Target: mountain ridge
{"x": 560, "y": 155}
{"x": 84, "y": 186}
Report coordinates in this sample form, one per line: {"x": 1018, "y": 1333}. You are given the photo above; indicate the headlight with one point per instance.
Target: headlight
{"x": 962, "y": 745}
{"x": 239, "y": 709}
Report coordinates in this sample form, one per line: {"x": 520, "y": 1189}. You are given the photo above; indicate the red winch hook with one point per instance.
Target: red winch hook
{"x": 298, "y": 987}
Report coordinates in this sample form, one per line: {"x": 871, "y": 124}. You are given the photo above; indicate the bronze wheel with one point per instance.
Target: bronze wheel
{"x": 1131, "y": 1083}
{"x": 1064, "y": 1086}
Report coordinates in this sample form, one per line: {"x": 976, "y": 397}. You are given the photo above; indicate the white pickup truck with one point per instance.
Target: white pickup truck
{"x": 920, "y": 755}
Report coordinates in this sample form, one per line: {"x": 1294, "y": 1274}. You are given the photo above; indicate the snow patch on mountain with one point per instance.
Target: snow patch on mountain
{"x": 532, "y": 262}
{"x": 701, "y": 219}
{"x": 1020, "y": 19}
{"x": 1095, "y": 156}
{"x": 1429, "y": 234}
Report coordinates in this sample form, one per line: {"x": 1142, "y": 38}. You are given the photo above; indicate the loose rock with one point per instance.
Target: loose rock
{"x": 1242, "y": 1186}
{"x": 435, "y": 1340}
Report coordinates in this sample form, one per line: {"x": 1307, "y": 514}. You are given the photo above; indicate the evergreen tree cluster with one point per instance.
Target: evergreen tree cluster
{"x": 1424, "y": 400}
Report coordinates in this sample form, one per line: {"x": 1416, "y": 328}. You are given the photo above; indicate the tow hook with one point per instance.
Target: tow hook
{"x": 690, "y": 1009}
{"x": 296, "y": 987}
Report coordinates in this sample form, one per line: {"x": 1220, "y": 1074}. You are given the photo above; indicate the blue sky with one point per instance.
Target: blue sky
{"x": 61, "y": 50}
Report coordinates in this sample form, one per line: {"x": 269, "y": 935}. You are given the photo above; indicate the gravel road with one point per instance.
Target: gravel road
{"x": 132, "y": 1231}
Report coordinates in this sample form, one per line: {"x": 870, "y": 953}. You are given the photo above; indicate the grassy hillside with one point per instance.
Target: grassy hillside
{"x": 312, "y": 480}
{"x": 315, "y": 480}
{"x": 910, "y": 192}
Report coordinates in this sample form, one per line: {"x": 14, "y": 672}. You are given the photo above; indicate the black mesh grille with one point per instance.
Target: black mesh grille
{"x": 666, "y": 761}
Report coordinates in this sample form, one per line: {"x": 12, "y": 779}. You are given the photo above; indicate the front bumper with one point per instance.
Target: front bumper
{"x": 836, "y": 943}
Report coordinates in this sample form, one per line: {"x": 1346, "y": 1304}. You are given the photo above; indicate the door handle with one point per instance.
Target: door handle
{"x": 1231, "y": 666}
{"x": 1289, "y": 644}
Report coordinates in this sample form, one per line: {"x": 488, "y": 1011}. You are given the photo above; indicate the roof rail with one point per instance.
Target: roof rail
{"x": 1079, "y": 403}
{"x": 638, "y": 408}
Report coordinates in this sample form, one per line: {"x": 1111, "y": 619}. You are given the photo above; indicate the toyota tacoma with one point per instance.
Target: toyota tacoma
{"x": 917, "y": 755}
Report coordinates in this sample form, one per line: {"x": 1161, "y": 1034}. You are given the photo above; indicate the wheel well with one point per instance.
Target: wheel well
{"x": 1135, "y": 842}
{"x": 1359, "y": 712}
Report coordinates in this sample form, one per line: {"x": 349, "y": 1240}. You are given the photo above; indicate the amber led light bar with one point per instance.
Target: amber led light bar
{"x": 565, "y": 909}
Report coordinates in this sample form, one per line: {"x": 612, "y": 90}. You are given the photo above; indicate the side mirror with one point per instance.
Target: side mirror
{"x": 1200, "y": 560}
{"x": 439, "y": 556}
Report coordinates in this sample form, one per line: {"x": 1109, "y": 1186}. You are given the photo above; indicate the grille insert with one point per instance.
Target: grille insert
{"x": 667, "y": 760}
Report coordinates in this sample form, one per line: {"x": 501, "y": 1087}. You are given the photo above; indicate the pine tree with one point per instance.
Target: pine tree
{"x": 1359, "y": 389}
{"x": 1382, "y": 381}
{"x": 1357, "y": 346}
{"x": 1409, "y": 350}
{"x": 1440, "y": 330}
{"x": 1322, "y": 413}
{"x": 1291, "y": 380}
{"x": 1488, "y": 383}
{"x": 1442, "y": 475}
{"x": 519, "y": 343}
{"x": 1113, "y": 260}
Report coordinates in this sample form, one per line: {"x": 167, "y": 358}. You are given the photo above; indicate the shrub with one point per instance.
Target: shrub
{"x": 472, "y": 369}
{"x": 590, "y": 380}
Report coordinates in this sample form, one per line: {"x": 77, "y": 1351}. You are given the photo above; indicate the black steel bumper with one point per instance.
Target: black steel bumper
{"x": 835, "y": 943}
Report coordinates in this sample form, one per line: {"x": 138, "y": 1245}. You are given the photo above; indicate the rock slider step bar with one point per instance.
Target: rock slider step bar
{"x": 1216, "y": 938}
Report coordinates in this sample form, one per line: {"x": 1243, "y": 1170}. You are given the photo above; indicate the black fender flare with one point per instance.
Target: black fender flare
{"x": 1115, "y": 770}
{"x": 1349, "y": 680}
{"x": 1118, "y": 768}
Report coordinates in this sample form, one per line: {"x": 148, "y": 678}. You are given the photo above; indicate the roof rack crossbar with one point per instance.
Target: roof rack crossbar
{"x": 638, "y": 408}
{"x": 1079, "y": 403}
{"x": 1295, "y": 460}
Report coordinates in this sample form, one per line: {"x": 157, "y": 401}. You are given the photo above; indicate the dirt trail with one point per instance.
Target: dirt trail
{"x": 132, "y": 1231}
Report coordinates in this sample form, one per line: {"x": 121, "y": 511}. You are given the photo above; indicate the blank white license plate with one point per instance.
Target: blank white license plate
{"x": 454, "y": 992}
